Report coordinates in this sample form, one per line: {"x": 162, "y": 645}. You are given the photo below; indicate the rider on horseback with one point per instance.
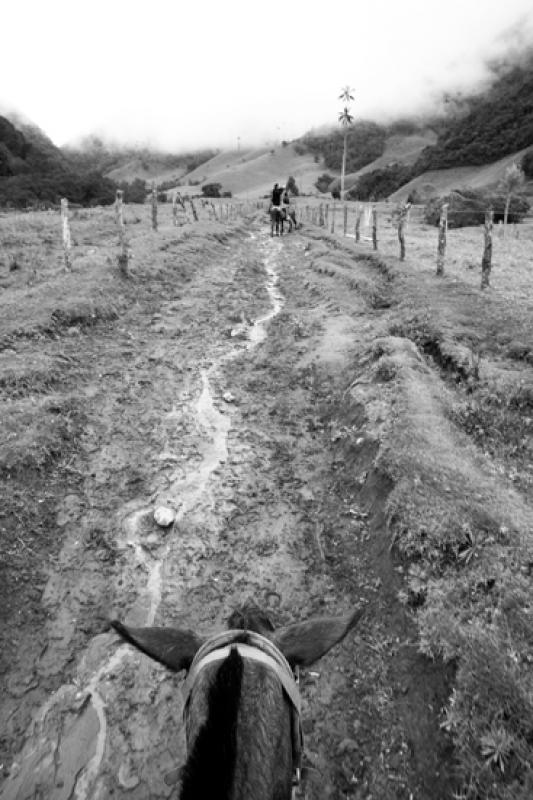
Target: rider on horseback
{"x": 277, "y": 191}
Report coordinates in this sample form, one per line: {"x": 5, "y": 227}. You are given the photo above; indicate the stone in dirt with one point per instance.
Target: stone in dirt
{"x": 164, "y": 516}
{"x": 229, "y": 397}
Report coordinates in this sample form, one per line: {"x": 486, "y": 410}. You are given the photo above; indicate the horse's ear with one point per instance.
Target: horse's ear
{"x": 302, "y": 643}
{"x": 172, "y": 647}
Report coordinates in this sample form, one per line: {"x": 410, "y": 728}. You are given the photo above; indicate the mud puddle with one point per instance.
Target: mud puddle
{"x": 78, "y": 739}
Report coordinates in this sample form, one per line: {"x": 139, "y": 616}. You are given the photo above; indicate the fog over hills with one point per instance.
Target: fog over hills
{"x": 472, "y": 130}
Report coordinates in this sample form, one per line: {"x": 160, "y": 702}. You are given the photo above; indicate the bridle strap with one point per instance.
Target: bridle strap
{"x": 251, "y": 653}
{"x": 255, "y": 648}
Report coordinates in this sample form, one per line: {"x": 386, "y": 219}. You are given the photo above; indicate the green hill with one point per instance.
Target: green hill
{"x": 130, "y": 163}
{"x": 33, "y": 171}
{"x": 483, "y": 128}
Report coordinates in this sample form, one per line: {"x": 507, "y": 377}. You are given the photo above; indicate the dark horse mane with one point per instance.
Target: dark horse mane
{"x": 210, "y": 765}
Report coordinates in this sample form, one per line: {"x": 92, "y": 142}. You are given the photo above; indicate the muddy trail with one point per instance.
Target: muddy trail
{"x": 232, "y": 402}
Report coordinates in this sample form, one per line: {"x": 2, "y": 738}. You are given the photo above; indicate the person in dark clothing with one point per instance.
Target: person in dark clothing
{"x": 277, "y": 191}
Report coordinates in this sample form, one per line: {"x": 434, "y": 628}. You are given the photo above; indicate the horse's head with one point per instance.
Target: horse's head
{"x": 241, "y": 702}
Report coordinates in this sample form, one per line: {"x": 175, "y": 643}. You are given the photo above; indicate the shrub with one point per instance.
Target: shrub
{"x": 527, "y": 164}
{"x": 211, "y": 189}
{"x": 292, "y": 187}
{"x": 324, "y": 182}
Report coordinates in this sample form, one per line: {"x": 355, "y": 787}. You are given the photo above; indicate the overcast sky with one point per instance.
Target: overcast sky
{"x": 194, "y": 73}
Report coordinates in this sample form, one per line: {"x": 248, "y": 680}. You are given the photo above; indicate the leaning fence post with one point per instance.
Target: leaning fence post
{"x": 374, "y": 227}
{"x": 402, "y": 219}
{"x": 154, "y": 207}
{"x": 193, "y": 209}
{"x": 123, "y": 255}
{"x": 486, "y": 261}
{"x": 441, "y": 249}
{"x": 67, "y": 243}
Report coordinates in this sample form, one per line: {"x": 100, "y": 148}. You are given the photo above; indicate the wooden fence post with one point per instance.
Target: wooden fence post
{"x": 333, "y": 217}
{"x": 193, "y": 209}
{"x": 67, "y": 243}
{"x": 441, "y": 249}
{"x": 345, "y": 220}
{"x": 175, "y": 209}
{"x": 486, "y": 261}
{"x": 374, "y": 227}
{"x": 321, "y": 215}
{"x": 119, "y": 196}
{"x": 326, "y": 222}
{"x": 402, "y": 220}
{"x": 154, "y": 206}
{"x": 123, "y": 255}
{"x": 358, "y": 218}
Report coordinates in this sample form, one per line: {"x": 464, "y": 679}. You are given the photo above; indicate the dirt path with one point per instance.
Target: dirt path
{"x": 229, "y": 404}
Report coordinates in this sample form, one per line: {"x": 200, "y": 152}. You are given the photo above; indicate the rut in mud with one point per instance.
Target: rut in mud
{"x": 252, "y": 413}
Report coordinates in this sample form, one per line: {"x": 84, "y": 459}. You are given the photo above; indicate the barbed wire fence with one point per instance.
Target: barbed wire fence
{"x": 365, "y": 223}
{"x": 369, "y": 225}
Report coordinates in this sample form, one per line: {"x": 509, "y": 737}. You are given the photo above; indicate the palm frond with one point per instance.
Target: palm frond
{"x": 346, "y": 94}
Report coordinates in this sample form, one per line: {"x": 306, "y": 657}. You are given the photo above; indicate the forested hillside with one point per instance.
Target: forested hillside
{"x": 482, "y": 128}
{"x": 365, "y": 143}
{"x": 33, "y": 171}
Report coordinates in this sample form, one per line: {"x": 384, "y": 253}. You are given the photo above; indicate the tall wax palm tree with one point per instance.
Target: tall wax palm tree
{"x": 345, "y": 119}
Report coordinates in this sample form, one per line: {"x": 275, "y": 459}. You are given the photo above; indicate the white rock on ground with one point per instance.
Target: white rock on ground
{"x": 164, "y": 516}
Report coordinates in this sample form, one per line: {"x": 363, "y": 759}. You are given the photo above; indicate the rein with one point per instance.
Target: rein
{"x": 261, "y": 650}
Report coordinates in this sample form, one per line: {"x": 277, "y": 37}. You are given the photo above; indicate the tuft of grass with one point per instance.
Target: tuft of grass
{"x": 36, "y": 432}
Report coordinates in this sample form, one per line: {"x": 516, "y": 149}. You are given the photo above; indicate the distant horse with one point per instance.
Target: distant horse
{"x": 241, "y": 701}
{"x": 277, "y": 219}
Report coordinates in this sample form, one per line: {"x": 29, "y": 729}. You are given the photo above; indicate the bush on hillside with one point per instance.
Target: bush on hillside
{"x": 211, "y": 189}
{"x": 468, "y": 206}
{"x": 380, "y": 183}
{"x": 292, "y": 187}
{"x": 527, "y": 164}
{"x": 324, "y": 182}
